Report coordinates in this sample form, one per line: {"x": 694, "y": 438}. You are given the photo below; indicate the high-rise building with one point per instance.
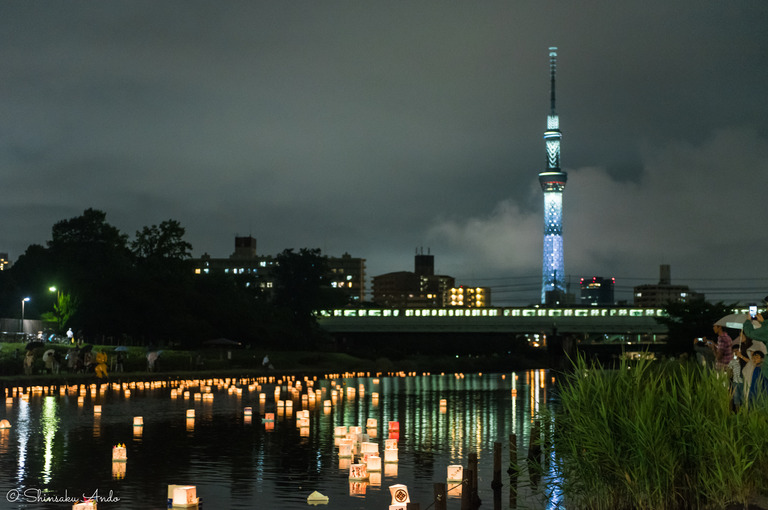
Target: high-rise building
{"x": 597, "y": 291}
{"x": 552, "y": 182}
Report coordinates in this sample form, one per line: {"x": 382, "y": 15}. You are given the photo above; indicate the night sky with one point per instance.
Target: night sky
{"x": 383, "y": 128}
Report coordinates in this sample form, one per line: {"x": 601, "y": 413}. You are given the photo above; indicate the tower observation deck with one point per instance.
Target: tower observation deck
{"x": 552, "y": 182}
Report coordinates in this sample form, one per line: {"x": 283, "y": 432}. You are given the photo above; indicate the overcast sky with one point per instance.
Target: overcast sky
{"x": 382, "y": 128}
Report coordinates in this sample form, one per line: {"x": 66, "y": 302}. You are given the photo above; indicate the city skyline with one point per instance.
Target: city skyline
{"x": 380, "y": 129}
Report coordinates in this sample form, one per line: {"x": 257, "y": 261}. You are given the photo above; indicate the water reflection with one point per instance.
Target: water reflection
{"x": 236, "y": 459}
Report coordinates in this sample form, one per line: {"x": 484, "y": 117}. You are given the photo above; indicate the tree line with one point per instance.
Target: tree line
{"x": 108, "y": 288}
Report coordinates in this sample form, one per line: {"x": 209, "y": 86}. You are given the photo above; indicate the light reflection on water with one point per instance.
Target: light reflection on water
{"x": 59, "y": 446}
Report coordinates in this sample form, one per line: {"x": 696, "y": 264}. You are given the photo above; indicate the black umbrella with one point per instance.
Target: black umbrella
{"x": 34, "y": 345}
{"x": 86, "y": 348}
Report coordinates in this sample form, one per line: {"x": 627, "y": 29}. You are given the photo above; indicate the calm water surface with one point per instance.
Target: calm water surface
{"x": 58, "y": 448}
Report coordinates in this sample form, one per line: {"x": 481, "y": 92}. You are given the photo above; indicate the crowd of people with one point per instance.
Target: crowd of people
{"x": 740, "y": 358}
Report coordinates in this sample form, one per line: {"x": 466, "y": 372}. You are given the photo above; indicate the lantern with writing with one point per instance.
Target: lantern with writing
{"x": 455, "y": 473}
{"x": 185, "y": 495}
{"x": 358, "y": 472}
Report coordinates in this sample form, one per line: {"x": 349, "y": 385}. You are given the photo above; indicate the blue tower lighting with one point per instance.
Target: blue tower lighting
{"x": 552, "y": 182}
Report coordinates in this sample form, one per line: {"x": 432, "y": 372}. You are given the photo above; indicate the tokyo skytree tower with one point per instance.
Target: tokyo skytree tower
{"x": 552, "y": 182}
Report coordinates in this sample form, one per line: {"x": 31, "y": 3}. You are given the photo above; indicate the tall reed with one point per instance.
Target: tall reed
{"x": 656, "y": 435}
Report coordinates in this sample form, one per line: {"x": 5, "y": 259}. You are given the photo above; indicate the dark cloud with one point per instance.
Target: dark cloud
{"x": 377, "y": 129}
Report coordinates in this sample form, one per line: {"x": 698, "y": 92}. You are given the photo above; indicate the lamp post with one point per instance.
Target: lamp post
{"x": 22, "y": 313}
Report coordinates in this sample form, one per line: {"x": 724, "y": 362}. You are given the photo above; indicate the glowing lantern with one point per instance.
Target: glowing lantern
{"x": 358, "y": 472}
{"x": 247, "y": 411}
{"x": 455, "y": 473}
{"x": 345, "y": 448}
{"x": 5, "y": 424}
{"x": 371, "y": 423}
{"x": 190, "y": 413}
{"x": 373, "y": 463}
{"x": 97, "y": 409}
{"x": 400, "y": 497}
{"x": 394, "y": 426}
{"x": 340, "y": 431}
{"x": 119, "y": 453}
{"x": 185, "y": 495}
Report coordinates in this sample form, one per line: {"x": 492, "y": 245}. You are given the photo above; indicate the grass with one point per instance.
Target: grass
{"x": 656, "y": 435}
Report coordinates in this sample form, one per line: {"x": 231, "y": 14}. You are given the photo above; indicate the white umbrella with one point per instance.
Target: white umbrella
{"x": 736, "y": 321}
{"x": 48, "y": 354}
{"x": 733, "y": 320}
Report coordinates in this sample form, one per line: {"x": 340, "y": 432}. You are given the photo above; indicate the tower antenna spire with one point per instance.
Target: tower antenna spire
{"x": 552, "y": 71}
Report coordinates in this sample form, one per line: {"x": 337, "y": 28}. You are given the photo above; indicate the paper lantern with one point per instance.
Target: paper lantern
{"x": 138, "y": 421}
{"x": 394, "y": 426}
{"x": 371, "y": 423}
{"x": 269, "y": 417}
{"x": 390, "y": 456}
{"x": 119, "y": 453}
{"x": 345, "y": 448}
{"x": 443, "y": 402}
{"x": 185, "y": 495}
{"x": 455, "y": 473}
{"x": 97, "y": 409}
{"x": 373, "y": 463}
{"x": 358, "y": 472}
{"x": 368, "y": 447}
{"x": 317, "y": 499}
{"x": 5, "y": 424}
{"x": 247, "y": 411}
{"x": 340, "y": 431}
{"x": 399, "y": 494}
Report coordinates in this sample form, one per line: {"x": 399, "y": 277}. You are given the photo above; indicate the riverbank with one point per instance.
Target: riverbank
{"x": 223, "y": 362}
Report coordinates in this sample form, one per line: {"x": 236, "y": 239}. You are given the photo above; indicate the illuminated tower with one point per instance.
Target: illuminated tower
{"x": 553, "y": 183}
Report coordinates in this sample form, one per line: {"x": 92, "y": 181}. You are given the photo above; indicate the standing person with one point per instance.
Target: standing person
{"x": 759, "y": 385}
{"x": 120, "y": 359}
{"x": 737, "y": 381}
{"x": 748, "y": 369}
{"x": 29, "y": 359}
{"x": 724, "y": 352}
{"x": 70, "y": 336}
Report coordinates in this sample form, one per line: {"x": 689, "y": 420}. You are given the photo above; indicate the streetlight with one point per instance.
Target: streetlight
{"x": 22, "y": 313}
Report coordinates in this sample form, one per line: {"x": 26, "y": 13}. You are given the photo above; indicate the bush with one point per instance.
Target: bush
{"x": 656, "y": 435}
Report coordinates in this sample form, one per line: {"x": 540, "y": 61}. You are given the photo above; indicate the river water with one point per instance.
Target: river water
{"x": 59, "y": 448}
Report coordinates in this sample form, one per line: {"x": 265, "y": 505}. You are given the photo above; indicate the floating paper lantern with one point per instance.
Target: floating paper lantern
{"x": 394, "y": 426}
{"x": 455, "y": 473}
{"x": 9, "y": 401}
{"x": 119, "y": 453}
{"x": 97, "y": 409}
{"x": 371, "y": 423}
{"x": 358, "y": 472}
{"x": 5, "y": 424}
{"x": 185, "y": 495}
{"x": 345, "y": 448}
{"x": 367, "y": 447}
{"x": 80, "y": 400}
{"x": 190, "y": 413}
{"x": 373, "y": 463}
{"x": 340, "y": 431}
{"x": 247, "y": 411}
{"x": 138, "y": 421}
{"x": 400, "y": 495}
